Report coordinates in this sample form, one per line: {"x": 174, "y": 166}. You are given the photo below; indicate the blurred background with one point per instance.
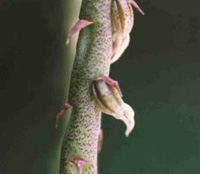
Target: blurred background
{"x": 159, "y": 75}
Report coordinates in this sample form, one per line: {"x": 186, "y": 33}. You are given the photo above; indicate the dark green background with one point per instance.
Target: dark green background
{"x": 159, "y": 75}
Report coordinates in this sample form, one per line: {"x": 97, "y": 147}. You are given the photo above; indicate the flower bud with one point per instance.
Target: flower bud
{"x": 122, "y": 23}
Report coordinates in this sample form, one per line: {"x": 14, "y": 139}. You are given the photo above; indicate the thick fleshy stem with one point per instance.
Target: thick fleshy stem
{"x": 93, "y": 57}
{"x": 103, "y": 24}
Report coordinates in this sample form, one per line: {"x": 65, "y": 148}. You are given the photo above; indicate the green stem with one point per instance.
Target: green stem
{"x": 93, "y": 56}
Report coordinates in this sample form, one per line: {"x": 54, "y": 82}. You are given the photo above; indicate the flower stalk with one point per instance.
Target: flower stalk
{"x": 104, "y": 27}
{"x": 94, "y": 50}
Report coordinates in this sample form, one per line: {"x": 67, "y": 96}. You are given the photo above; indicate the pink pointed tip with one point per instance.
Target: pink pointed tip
{"x": 136, "y": 6}
{"x": 80, "y": 24}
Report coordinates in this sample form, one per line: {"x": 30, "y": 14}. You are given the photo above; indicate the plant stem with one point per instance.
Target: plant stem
{"x": 93, "y": 56}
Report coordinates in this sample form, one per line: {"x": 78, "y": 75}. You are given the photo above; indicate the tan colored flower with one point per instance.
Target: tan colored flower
{"x": 108, "y": 99}
{"x": 122, "y": 23}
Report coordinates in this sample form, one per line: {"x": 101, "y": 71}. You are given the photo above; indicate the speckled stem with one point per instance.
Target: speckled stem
{"x": 93, "y": 57}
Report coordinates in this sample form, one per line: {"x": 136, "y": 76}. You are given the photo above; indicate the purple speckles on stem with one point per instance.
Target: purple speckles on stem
{"x": 106, "y": 38}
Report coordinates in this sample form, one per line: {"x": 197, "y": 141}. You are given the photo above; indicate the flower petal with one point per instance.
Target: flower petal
{"x": 128, "y": 118}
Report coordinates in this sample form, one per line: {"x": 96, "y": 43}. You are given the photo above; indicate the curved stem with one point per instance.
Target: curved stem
{"x": 93, "y": 57}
